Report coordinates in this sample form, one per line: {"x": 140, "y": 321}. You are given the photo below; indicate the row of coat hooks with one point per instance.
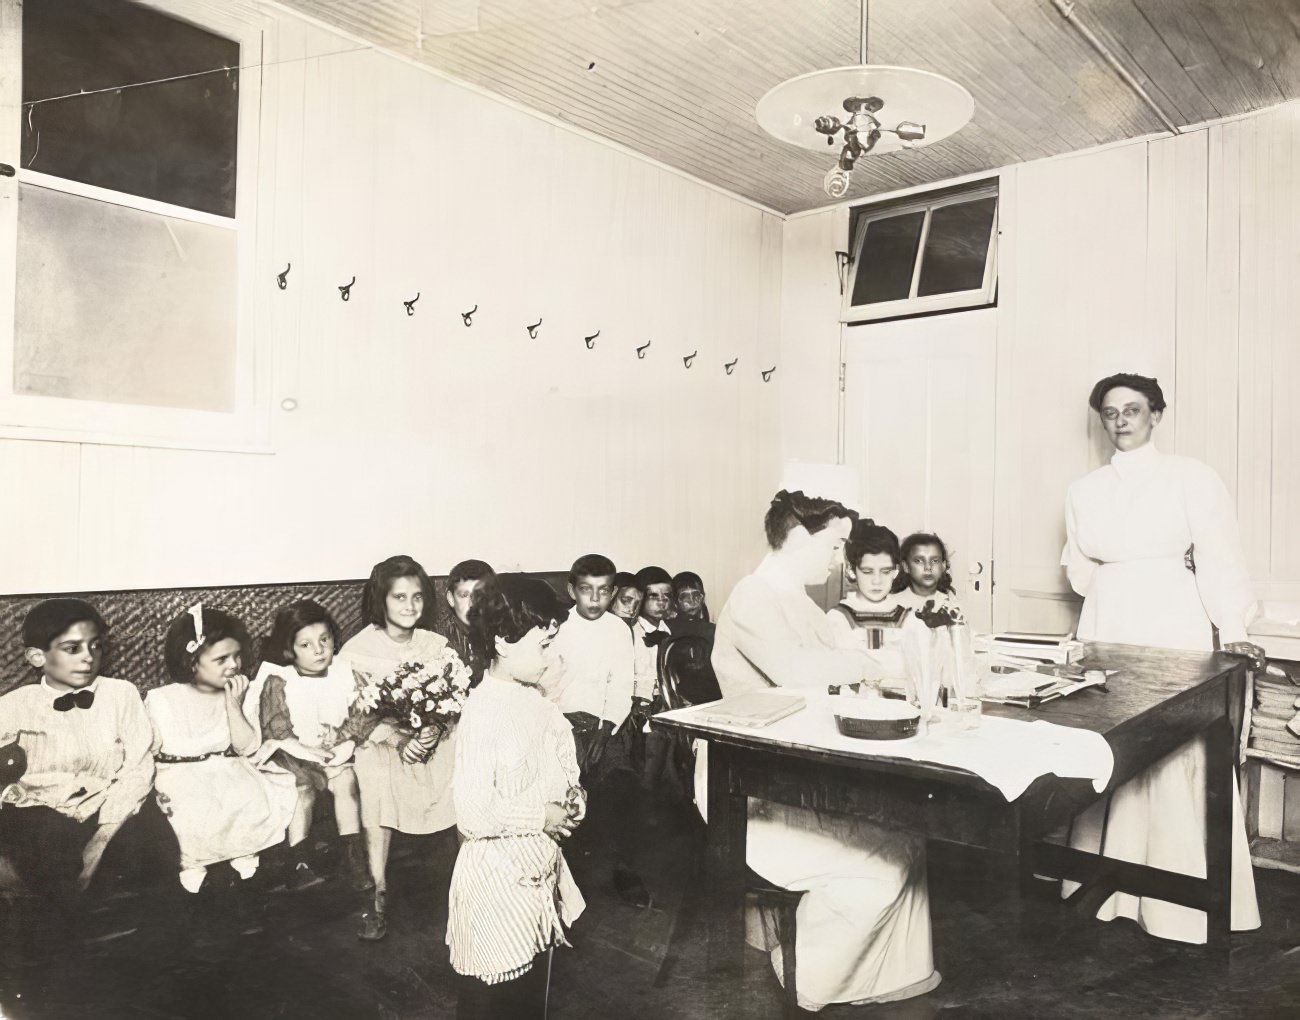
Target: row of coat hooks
{"x": 345, "y": 292}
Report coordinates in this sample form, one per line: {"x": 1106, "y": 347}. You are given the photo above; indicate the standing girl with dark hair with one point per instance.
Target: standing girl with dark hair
{"x": 517, "y": 799}
{"x": 219, "y": 805}
{"x": 404, "y": 775}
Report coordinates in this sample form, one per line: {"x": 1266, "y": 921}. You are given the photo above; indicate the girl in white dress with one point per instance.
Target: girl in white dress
{"x": 306, "y": 705}
{"x": 517, "y": 799}
{"x": 863, "y": 927}
{"x": 1152, "y": 545}
{"x": 404, "y": 776}
{"x": 219, "y": 805}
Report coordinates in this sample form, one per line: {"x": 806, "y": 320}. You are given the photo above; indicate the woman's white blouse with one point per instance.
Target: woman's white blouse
{"x": 1129, "y": 525}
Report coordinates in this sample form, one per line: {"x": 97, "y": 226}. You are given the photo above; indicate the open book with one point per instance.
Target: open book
{"x": 757, "y": 709}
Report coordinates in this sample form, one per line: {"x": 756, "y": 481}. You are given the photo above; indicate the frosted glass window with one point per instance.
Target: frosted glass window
{"x": 123, "y": 306}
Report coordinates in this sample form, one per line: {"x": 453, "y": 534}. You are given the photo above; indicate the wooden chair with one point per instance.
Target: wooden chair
{"x": 686, "y": 678}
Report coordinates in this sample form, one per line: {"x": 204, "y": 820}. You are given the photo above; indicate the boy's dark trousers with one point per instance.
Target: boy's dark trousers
{"x": 524, "y": 998}
{"x": 45, "y": 847}
{"x": 614, "y": 808}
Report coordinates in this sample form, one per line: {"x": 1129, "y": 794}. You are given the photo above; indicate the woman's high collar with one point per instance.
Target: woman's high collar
{"x": 1131, "y": 462}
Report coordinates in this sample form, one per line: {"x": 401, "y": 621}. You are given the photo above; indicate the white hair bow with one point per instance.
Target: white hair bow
{"x": 196, "y": 611}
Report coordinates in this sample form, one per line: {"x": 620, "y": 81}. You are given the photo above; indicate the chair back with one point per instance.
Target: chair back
{"x": 685, "y": 673}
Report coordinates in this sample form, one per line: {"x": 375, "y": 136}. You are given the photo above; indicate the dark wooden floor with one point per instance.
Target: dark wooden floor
{"x": 628, "y": 963}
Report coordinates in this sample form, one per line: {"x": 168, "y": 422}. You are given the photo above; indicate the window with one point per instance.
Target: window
{"x": 133, "y": 233}
{"x": 926, "y": 253}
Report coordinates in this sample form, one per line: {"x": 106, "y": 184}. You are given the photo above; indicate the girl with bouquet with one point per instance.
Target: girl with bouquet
{"x": 403, "y": 769}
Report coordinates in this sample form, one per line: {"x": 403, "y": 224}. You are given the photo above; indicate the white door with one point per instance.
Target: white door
{"x": 919, "y": 426}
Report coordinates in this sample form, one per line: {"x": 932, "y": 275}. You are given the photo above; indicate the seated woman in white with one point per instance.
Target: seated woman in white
{"x": 863, "y": 928}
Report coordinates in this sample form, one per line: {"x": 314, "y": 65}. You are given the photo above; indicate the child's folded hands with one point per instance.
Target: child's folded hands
{"x": 558, "y": 822}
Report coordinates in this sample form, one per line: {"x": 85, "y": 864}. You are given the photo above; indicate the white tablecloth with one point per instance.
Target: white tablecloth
{"x": 1006, "y": 753}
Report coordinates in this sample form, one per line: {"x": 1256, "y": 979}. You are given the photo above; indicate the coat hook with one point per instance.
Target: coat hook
{"x": 640, "y": 351}
{"x": 689, "y": 358}
{"x": 730, "y": 365}
{"x": 590, "y": 341}
{"x": 532, "y": 330}
{"x": 346, "y": 290}
{"x": 468, "y": 315}
{"x": 768, "y": 374}
{"x": 410, "y": 305}
{"x": 281, "y": 279}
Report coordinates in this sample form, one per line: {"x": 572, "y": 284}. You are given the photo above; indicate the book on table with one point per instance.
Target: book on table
{"x": 1029, "y": 689}
{"x": 755, "y": 709}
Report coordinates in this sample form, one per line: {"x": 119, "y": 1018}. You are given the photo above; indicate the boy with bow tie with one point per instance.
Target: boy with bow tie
{"x": 86, "y": 740}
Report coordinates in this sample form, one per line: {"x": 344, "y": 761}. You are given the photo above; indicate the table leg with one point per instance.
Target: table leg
{"x": 725, "y": 871}
{"x": 1219, "y": 748}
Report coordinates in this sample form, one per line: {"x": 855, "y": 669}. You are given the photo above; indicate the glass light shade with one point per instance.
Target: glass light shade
{"x": 788, "y": 111}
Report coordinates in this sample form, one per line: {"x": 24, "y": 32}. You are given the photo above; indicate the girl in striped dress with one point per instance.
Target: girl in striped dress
{"x": 517, "y": 798}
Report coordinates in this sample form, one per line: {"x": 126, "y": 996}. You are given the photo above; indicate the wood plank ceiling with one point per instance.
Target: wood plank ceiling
{"x": 677, "y": 80}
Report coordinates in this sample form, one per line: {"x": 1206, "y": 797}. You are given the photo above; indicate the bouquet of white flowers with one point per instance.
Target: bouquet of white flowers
{"x": 426, "y": 697}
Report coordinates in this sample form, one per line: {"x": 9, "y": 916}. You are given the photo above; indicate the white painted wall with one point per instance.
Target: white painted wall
{"x": 416, "y": 434}
{"x": 1176, "y": 257}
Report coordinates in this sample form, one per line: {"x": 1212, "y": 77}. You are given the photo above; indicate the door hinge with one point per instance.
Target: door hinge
{"x": 843, "y": 371}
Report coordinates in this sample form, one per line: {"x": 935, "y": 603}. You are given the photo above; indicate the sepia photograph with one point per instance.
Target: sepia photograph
{"x": 649, "y": 509}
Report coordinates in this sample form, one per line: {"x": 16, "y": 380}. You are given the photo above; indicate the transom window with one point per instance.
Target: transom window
{"x": 927, "y": 253}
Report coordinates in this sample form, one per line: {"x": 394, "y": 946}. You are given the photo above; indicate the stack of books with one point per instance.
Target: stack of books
{"x": 1025, "y": 648}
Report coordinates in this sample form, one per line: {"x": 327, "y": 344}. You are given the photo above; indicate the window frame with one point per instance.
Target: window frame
{"x": 862, "y": 216}
{"x": 247, "y": 427}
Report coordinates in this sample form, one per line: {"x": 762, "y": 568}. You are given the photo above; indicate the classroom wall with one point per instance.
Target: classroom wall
{"x": 1175, "y": 257}
{"x": 416, "y": 433}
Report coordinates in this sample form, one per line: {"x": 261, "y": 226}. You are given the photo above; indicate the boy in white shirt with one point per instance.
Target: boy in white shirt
{"x": 89, "y": 768}
{"x": 591, "y": 680}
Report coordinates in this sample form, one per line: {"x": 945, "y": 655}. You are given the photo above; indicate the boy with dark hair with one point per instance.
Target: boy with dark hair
{"x": 87, "y": 743}
{"x": 465, "y": 579}
{"x": 648, "y": 632}
{"x": 591, "y": 679}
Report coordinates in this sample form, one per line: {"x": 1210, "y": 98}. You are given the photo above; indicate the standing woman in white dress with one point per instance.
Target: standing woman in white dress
{"x": 1152, "y": 545}
{"x": 863, "y": 927}
{"x": 404, "y": 776}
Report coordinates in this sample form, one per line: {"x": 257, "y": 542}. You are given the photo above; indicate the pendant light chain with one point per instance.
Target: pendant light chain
{"x": 862, "y": 37}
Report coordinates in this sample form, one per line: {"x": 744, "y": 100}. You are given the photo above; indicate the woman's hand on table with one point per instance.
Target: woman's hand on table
{"x": 1253, "y": 652}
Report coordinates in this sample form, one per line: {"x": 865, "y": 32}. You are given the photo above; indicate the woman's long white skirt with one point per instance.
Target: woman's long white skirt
{"x": 863, "y": 928}
{"x": 1157, "y": 818}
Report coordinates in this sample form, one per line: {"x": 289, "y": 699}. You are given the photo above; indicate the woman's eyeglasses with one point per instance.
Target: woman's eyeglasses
{"x": 1130, "y": 412}
{"x": 690, "y": 598}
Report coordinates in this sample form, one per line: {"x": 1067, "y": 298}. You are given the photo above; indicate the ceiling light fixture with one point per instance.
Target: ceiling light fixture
{"x": 801, "y": 111}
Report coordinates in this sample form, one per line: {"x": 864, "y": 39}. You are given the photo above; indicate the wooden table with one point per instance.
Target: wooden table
{"x": 1158, "y": 701}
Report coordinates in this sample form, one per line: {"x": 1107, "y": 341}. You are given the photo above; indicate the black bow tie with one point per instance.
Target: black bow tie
{"x": 653, "y": 638}
{"x": 74, "y": 699}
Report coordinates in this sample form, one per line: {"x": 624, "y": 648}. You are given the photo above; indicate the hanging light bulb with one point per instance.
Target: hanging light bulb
{"x": 798, "y": 111}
